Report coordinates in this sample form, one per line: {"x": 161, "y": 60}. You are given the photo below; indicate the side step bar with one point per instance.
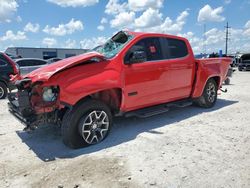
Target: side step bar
{"x": 158, "y": 109}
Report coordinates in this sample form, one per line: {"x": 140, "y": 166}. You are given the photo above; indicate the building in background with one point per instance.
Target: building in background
{"x": 44, "y": 53}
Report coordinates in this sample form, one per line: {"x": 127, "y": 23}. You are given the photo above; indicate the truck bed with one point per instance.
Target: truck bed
{"x": 210, "y": 67}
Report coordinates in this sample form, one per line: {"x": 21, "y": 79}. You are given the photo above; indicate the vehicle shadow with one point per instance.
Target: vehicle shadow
{"x": 47, "y": 144}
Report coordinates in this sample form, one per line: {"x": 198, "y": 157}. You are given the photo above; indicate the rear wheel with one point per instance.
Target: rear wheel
{"x": 87, "y": 124}
{"x": 3, "y": 91}
{"x": 240, "y": 69}
{"x": 209, "y": 95}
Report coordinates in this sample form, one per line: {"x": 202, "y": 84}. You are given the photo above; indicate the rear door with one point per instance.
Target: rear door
{"x": 181, "y": 68}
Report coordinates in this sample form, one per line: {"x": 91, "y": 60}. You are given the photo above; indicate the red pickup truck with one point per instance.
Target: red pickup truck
{"x": 132, "y": 74}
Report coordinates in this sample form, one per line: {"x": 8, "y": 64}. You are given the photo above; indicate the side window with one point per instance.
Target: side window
{"x": 151, "y": 46}
{"x": 28, "y": 63}
{"x": 37, "y": 63}
{"x": 177, "y": 48}
{"x": 22, "y": 63}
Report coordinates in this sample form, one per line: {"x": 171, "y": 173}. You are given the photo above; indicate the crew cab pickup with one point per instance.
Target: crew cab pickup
{"x": 132, "y": 74}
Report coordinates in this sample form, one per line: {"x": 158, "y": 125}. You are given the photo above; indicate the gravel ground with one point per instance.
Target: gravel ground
{"x": 187, "y": 147}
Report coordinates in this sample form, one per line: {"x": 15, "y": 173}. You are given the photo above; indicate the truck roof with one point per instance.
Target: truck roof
{"x": 155, "y": 34}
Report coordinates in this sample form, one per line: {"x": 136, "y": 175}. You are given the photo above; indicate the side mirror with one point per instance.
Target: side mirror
{"x": 137, "y": 57}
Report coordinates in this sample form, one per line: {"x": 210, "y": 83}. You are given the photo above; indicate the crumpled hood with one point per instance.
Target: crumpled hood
{"x": 44, "y": 73}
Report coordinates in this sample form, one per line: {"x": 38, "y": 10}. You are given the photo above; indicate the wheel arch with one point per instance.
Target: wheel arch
{"x": 199, "y": 88}
{"x": 111, "y": 97}
{"x": 217, "y": 79}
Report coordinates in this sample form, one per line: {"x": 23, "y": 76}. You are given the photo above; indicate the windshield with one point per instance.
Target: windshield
{"x": 114, "y": 45}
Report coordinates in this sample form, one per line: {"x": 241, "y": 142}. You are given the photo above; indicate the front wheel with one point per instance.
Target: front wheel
{"x": 209, "y": 95}
{"x": 87, "y": 124}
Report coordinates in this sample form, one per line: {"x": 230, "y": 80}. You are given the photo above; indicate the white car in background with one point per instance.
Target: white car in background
{"x": 27, "y": 65}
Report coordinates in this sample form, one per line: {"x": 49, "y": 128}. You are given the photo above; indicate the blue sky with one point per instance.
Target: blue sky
{"x": 86, "y": 23}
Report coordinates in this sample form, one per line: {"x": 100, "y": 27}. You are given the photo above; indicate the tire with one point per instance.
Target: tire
{"x": 239, "y": 69}
{"x": 3, "y": 90}
{"x": 86, "y": 124}
{"x": 209, "y": 95}
{"x": 227, "y": 81}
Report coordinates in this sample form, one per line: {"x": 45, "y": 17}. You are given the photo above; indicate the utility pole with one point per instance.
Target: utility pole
{"x": 227, "y": 37}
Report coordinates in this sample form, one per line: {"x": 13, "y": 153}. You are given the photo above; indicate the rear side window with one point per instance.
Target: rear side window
{"x": 27, "y": 63}
{"x": 37, "y": 62}
{"x": 177, "y": 48}
{"x": 22, "y": 63}
{"x": 151, "y": 46}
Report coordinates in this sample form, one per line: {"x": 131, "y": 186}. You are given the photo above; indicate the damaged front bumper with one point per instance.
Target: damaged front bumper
{"x": 19, "y": 106}
{"x": 28, "y": 107}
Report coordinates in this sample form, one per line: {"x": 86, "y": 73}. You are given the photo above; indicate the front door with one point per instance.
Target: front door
{"x": 146, "y": 82}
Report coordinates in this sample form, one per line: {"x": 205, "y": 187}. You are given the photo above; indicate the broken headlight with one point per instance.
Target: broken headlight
{"x": 50, "y": 93}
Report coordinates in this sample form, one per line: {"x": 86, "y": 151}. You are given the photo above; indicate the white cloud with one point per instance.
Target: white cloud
{"x": 174, "y": 27}
{"x": 149, "y": 18}
{"x": 247, "y": 25}
{"x": 104, "y": 20}
{"x": 11, "y": 36}
{"x": 247, "y": 29}
{"x": 123, "y": 19}
{"x": 70, "y": 44}
{"x": 214, "y": 40}
{"x": 19, "y": 19}
{"x": 227, "y": 1}
{"x": 7, "y": 10}
{"x": 168, "y": 25}
{"x": 100, "y": 27}
{"x": 93, "y": 42}
{"x": 140, "y": 5}
{"x": 29, "y": 27}
{"x": 49, "y": 42}
{"x": 64, "y": 29}
{"x": 196, "y": 43}
{"x": 207, "y": 13}
{"x": 74, "y": 3}
{"x": 214, "y": 36}
{"x": 114, "y": 7}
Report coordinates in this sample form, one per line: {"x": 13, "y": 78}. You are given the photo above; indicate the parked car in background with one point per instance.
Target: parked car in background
{"x": 27, "y": 65}
{"x": 7, "y": 68}
{"x": 53, "y": 60}
{"x": 244, "y": 63}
